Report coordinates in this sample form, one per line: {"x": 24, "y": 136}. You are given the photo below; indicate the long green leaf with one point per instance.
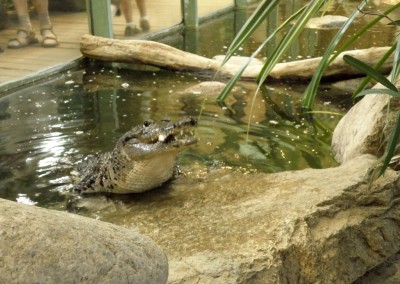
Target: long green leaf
{"x": 377, "y": 66}
{"x": 391, "y": 147}
{"x": 258, "y": 16}
{"x": 378, "y": 92}
{"x": 356, "y": 37}
{"x": 362, "y": 31}
{"x": 231, "y": 83}
{"x": 311, "y": 91}
{"x": 396, "y": 64}
{"x": 236, "y": 77}
{"x": 370, "y": 72}
{"x": 311, "y": 9}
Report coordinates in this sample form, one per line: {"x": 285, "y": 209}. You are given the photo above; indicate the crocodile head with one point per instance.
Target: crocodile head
{"x": 153, "y": 138}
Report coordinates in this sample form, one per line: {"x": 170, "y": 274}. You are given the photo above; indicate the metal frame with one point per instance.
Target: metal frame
{"x": 99, "y": 16}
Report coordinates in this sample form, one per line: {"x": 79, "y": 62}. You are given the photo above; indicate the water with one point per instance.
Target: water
{"x": 48, "y": 128}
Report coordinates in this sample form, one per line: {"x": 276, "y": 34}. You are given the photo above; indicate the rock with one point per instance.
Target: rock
{"x": 387, "y": 272}
{"x": 346, "y": 87}
{"x": 309, "y": 226}
{"x": 360, "y": 130}
{"x": 45, "y": 246}
{"x": 364, "y": 128}
{"x": 211, "y": 88}
{"x": 327, "y": 22}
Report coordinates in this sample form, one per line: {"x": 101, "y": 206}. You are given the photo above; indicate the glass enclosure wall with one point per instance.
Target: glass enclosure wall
{"x": 209, "y": 7}
{"x": 140, "y": 17}
{"x": 70, "y": 19}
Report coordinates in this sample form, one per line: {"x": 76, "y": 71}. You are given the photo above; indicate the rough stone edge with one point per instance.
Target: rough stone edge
{"x": 295, "y": 262}
{"x": 21, "y": 239}
{"x": 381, "y": 239}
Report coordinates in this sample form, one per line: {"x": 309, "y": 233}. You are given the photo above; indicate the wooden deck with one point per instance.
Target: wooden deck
{"x": 25, "y": 63}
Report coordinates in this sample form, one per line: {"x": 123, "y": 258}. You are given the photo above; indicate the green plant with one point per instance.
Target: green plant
{"x": 300, "y": 19}
{"x": 390, "y": 90}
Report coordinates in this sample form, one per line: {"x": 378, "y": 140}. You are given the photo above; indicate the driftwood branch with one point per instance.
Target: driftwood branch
{"x": 164, "y": 56}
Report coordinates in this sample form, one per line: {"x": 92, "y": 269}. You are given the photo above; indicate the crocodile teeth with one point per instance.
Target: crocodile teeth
{"x": 161, "y": 137}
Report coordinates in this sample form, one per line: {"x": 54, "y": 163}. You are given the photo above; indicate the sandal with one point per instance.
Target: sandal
{"x": 49, "y": 37}
{"x": 144, "y": 24}
{"x": 131, "y": 31}
{"x": 23, "y": 39}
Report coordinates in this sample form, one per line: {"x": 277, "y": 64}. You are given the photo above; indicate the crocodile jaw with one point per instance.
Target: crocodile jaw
{"x": 146, "y": 174}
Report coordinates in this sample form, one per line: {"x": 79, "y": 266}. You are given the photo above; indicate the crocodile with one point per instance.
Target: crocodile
{"x": 143, "y": 159}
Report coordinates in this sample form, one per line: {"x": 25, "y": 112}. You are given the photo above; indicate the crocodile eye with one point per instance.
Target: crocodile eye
{"x": 146, "y": 123}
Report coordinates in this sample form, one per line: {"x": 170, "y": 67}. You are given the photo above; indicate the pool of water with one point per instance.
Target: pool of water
{"x": 47, "y": 129}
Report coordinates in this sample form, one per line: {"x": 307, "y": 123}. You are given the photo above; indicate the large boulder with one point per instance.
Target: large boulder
{"x": 365, "y": 128}
{"x": 45, "y": 246}
{"x": 308, "y": 226}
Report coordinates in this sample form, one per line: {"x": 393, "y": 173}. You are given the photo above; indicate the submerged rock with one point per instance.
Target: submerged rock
{"x": 209, "y": 88}
{"x": 347, "y": 87}
{"x": 327, "y": 22}
{"x": 44, "y": 246}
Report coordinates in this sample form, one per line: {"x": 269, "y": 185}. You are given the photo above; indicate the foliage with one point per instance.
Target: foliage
{"x": 300, "y": 19}
{"x": 390, "y": 90}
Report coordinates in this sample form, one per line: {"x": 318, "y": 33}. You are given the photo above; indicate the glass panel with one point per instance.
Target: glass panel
{"x": 145, "y": 16}
{"x": 208, "y": 7}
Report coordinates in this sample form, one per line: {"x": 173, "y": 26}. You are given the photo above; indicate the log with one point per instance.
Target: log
{"x": 164, "y": 56}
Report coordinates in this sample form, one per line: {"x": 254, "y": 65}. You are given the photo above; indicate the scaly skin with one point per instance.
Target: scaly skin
{"x": 143, "y": 159}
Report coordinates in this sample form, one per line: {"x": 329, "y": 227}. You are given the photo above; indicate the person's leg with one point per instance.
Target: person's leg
{"x": 46, "y": 29}
{"x": 115, "y": 11}
{"x": 25, "y": 35}
{"x": 21, "y": 8}
{"x": 126, "y": 7}
{"x": 144, "y": 21}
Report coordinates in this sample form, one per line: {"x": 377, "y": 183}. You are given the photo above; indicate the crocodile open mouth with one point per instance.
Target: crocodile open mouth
{"x": 184, "y": 138}
{"x": 168, "y": 139}
{"x": 165, "y": 135}
{"x": 179, "y": 133}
